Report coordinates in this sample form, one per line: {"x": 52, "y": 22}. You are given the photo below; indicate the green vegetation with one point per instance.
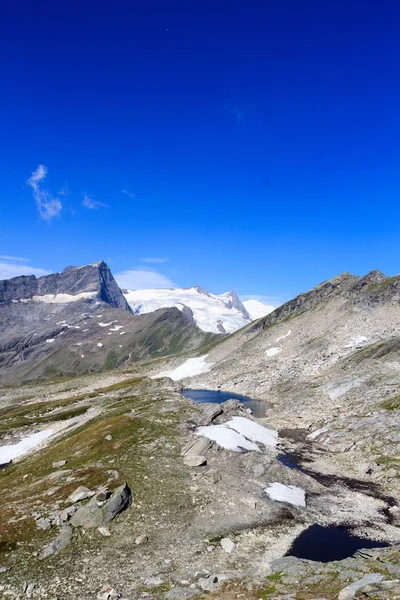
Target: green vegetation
{"x": 392, "y": 403}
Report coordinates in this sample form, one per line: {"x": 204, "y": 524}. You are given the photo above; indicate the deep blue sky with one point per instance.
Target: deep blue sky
{"x": 257, "y": 141}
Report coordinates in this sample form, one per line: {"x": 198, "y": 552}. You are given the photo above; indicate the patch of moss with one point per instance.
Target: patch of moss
{"x": 392, "y": 403}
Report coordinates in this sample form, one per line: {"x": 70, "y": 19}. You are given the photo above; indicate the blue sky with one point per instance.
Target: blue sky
{"x": 237, "y": 144}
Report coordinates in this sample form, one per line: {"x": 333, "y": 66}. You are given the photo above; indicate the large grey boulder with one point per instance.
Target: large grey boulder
{"x": 351, "y": 590}
{"x": 100, "y": 513}
{"x": 60, "y": 542}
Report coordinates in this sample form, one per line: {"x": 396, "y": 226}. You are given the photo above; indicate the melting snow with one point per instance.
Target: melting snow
{"x": 227, "y": 438}
{"x": 50, "y": 340}
{"x": 63, "y": 298}
{"x": 282, "y": 337}
{"x": 272, "y": 351}
{"x": 192, "y": 366}
{"x": 100, "y": 345}
{"x": 286, "y": 493}
{"x": 13, "y": 451}
{"x": 239, "y": 434}
{"x": 106, "y": 324}
{"x": 116, "y": 327}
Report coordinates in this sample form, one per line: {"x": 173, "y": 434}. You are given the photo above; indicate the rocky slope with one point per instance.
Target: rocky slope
{"x": 218, "y": 497}
{"x": 78, "y": 321}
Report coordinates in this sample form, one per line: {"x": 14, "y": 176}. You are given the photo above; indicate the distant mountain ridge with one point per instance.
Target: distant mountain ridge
{"x": 79, "y": 321}
{"x": 224, "y": 313}
{"x": 74, "y": 283}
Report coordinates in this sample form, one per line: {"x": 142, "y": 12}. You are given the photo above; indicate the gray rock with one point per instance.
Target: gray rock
{"x": 58, "y": 464}
{"x": 44, "y": 524}
{"x": 227, "y": 545}
{"x": 351, "y": 590}
{"x": 92, "y": 515}
{"x": 197, "y": 447}
{"x": 141, "y": 539}
{"x": 29, "y": 590}
{"x": 153, "y": 582}
{"x": 195, "y": 461}
{"x": 104, "y": 531}
{"x": 209, "y": 412}
{"x": 82, "y": 493}
{"x": 61, "y": 541}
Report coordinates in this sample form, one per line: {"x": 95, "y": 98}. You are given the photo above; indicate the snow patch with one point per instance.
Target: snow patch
{"x": 272, "y": 351}
{"x": 282, "y": 337}
{"x": 227, "y": 438}
{"x": 106, "y": 324}
{"x": 239, "y": 434}
{"x": 192, "y": 366}
{"x": 116, "y": 328}
{"x": 254, "y": 431}
{"x": 286, "y": 493}
{"x": 100, "y": 345}
{"x": 50, "y": 340}
{"x": 63, "y": 298}
{"x": 13, "y": 451}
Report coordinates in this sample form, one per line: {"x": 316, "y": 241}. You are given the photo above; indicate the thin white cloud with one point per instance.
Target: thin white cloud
{"x": 138, "y": 279}
{"x": 154, "y": 260}
{"x": 88, "y": 202}
{"x": 9, "y": 270}
{"x": 128, "y": 193}
{"x": 269, "y": 300}
{"x": 48, "y": 206}
{"x": 13, "y": 258}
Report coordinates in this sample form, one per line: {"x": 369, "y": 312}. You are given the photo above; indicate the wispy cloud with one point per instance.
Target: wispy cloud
{"x": 138, "y": 279}
{"x": 88, "y": 202}
{"x": 13, "y": 258}
{"x": 48, "y": 206}
{"x": 154, "y": 260}
{"x": 128, "y": 193}
{"x": 269, "y": 300}
{"x": 9, "y": 270}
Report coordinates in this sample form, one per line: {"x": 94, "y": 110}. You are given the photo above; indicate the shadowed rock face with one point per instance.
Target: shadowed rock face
{"x": 96, "y": 279}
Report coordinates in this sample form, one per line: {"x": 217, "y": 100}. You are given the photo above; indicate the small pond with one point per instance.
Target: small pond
{"x": 257, "y": 407}
{"x": 325, "y": 544}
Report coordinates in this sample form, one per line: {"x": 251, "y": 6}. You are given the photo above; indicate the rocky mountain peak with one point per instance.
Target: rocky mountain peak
{"x": 73, "y": 283}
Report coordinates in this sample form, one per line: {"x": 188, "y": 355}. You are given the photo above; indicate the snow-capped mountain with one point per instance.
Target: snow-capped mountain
{"x": 257, "y": 309}
{"x": 219, "y": 314}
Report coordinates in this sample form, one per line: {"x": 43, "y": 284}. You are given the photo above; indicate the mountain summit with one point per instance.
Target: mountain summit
{"x": 91, "y": 282}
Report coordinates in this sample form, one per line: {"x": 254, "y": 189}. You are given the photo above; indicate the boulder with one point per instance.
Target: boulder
{"x": 227, "y": 545}
{"x": 195, "y": 461}
{"x": 92, "y": 515}
{"x": 81, "y": 493}
{"x": 209, "y": 412}
{"x": 351, "y": 590}
{"x": 58, "y": 464}
{"x": 62, "y": 540}
{"x": 197, "y": 447}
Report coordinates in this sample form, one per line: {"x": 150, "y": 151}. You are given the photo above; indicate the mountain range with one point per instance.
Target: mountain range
{"x": 79, "y": 321}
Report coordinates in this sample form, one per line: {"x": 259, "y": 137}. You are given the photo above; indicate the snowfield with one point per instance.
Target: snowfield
{"x": 286, "y": 493}
{"x": 217, "y": 314}
{"x": 13, "y": 451}
{"x": 272, "y": 352}
{"x": 192, "y": 366}
{"x": 239, "y": 434}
